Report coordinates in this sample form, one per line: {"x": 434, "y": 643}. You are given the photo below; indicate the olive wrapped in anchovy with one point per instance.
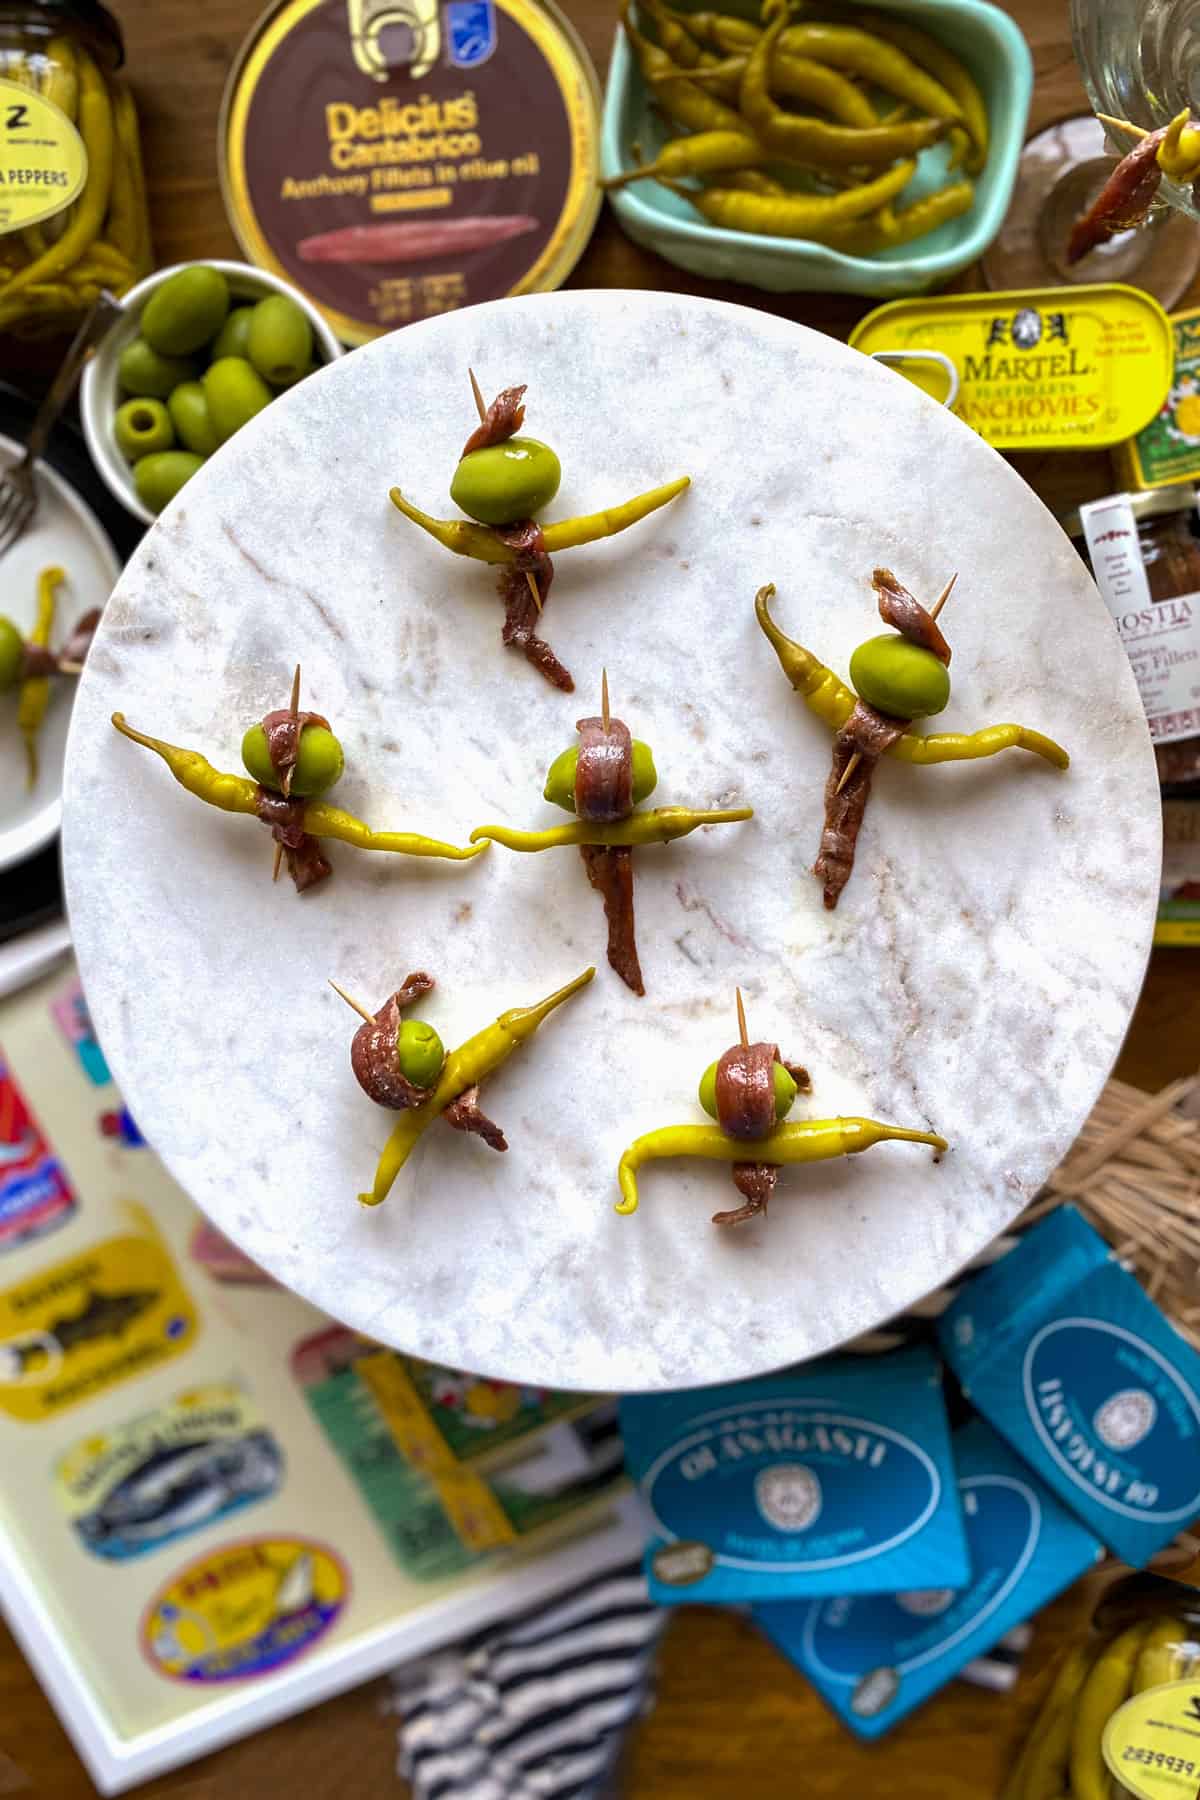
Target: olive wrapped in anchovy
{"x": 898, "y": 677}
{"x": 602, "y": 780}
{"x": 294, "y": 758}
{"x": 749, "y": 1091}
{"x": 402, "y": 1064}
{"x": 502, "y": 482}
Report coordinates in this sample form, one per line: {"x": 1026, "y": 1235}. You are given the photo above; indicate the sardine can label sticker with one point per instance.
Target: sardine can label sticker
{"x": 199, "y": 1457}
{"x": 113, "y": 1311}
{"x": 244, "y": 1609}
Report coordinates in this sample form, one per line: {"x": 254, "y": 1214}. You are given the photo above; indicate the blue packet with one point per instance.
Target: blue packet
{"x": 875, "y": 1657}
{"x": 1065, "y": 1354}
{"x": 834, "y": 1478}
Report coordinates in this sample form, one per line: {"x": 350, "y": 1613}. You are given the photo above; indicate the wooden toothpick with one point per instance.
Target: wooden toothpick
{"x": 741, "y": 1012}
{"x": 1122, "y": 125}
{"x": 942, "y": 598}
{"x": 479, "y": 406}
{"x": 69, "y": 668}
{"x": 848, "y": 771}
{"x": 294, "y": 709}
{"x": 356, "y": 1005}
{"x": 604, "y": 714}
{"x": 533, "y": 588}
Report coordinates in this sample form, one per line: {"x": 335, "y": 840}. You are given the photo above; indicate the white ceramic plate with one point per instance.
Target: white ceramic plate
{"x": 978, "y": 976}
{"x": 64, "y": 532}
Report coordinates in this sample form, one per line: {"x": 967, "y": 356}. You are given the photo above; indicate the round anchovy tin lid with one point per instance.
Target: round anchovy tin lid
{"x": 395, "y": 159}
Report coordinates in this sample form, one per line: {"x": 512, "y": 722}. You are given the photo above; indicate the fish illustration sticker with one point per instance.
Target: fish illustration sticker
{"x": 35, "y": 1195}
{"x": 244, "y": 1609}
{"x": 200, "y": 1457}
{"x": 116, "y": 1310}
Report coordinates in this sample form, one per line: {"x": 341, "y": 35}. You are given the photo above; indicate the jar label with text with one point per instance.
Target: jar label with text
{"x": 43, "y": 164}
{"x": 1161, "y": 637}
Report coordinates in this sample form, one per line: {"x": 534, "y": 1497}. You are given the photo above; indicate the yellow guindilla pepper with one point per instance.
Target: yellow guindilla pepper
{"x": 1107, "y": 1687}
{"x": 863, "y": 237}
{"x": 704, "y": 153}
{"x": 660, "y": 826}
{"x": 96, "y": 130}
{"x": 34, "y": 695}
{"x": 1161, "y": 1658}
{"x": 62, "y": 77}
{"x": 947, "y": 68}
{"x": 130, "y": 142}
{"x": 812, "y": 140}
{"x": 812, "y": 1140}
{"x": 1042, "y": 1768}
{"x": 1178, "y": 156}
{"x": 681, "y": 99}
{"x": 466, "y": 538}
{"x": 238, "y": 794}
{"x": 481, "y": 1055}
{"x": 794, "y": 78}
{"x": 797, "y": 215}
{"x": 833, "y": 702}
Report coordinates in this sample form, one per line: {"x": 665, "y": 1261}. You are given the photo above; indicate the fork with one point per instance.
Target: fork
{"x": 18, "y": 494}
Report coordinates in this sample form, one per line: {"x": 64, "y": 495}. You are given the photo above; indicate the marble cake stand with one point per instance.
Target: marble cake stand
{"x": 978, "y": 975}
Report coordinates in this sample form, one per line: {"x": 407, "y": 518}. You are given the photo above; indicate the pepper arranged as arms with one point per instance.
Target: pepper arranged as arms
{"x": 749, "y": 1092}
{"x": 601, "y": 780}
{"x": 28, "y": 663}
{"x": 1131, "y": 190}
{"x": 403, "y": 1065}
{"x": 294, "y": 757}
{"x": 899, "y": 677}
{"x": 501, "y": 482}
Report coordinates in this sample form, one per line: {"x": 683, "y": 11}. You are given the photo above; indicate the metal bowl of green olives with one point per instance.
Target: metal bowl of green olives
{"x": 201, "y": 348}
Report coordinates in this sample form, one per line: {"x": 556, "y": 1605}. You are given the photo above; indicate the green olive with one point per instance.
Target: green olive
{"x": 234, "y": 334}
{"x": 900, "y": 678}
{"x": 279, "y": 342}
{"x": 560, "y": 777}
{"x": 785, "y": 1091}
{"x": 419, "y": 1053}
{"x": 235, "y": 391}
{"x": 12, "y": 653}
{"x": 319, "y": 764}
{"x": 186, "y": 310}
{"x": 158, "y": 478}
{"x": 506, "y": 482}
{"x": 141, "y": 370}
{"x": 188, "y": 407}
{"x": 142, "y": 426}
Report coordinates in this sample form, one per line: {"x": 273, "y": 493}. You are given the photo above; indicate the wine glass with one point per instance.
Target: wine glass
{"x": 1140, "y": 61}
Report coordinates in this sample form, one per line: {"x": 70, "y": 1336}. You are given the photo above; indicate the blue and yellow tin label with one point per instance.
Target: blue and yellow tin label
{"x": 115, "y": 1310}
{"x": 245, "y": 1609}
{"x": 202, "y": 1456}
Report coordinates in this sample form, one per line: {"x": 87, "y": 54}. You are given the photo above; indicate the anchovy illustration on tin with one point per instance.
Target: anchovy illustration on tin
{"x": 101, "y": 1316}
{"x": 181, "y": 1490}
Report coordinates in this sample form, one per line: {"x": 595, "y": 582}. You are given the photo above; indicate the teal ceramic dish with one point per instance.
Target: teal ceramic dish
{"x": 992, "y": 47}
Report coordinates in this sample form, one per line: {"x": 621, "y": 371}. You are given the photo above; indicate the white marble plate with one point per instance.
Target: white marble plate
{"x": 978, "y": 975}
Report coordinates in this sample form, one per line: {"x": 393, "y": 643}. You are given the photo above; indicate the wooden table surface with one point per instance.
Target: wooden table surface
{"x": 732, "y": 1719}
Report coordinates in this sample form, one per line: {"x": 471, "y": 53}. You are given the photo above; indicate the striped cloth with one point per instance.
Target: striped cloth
{"x": 536, "y": 1708}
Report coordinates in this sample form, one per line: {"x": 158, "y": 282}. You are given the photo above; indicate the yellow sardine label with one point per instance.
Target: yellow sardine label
{"x": 244, "y": 1609}
{"x": 69, "y": 1332}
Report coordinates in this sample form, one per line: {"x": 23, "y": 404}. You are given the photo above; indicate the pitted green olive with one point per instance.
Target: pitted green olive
{"x": 560, "y": 777}
{"x": 900, "y": 678}
{"x": 506, "y": 482}
{"x": 12, "y": 654}
{"x": 785, "y": 1091}
{"x": 141, "y": 427}
{"x": 318, "y": 765}
{"x": 419, "y": 1053}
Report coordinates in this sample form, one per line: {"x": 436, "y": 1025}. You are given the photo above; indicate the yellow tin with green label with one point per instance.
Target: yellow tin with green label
{"x": 1151, "y": 1745}
{"x": 1076, "y": 368}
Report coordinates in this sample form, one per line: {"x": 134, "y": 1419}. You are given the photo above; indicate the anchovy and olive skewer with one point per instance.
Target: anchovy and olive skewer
{"x": 601, "y": 780}
{"x": 402, "y": 1064}
{"x": 749, "y": 1091}
{"x": 27, "y": 664}
{"x": 897, "y": 678}
{"x": 294, "y": 758}
{"x": 502, "y": 482}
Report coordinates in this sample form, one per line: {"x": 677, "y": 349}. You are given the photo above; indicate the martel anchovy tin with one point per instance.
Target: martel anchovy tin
{"x": 395, "y": 159}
